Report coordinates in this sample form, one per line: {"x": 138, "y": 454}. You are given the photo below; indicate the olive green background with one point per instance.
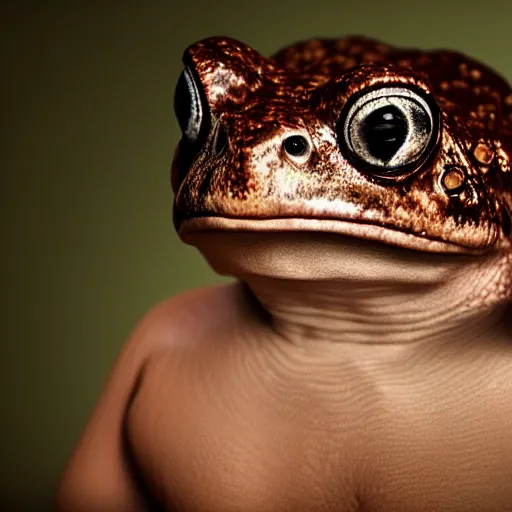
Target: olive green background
{"x": 87, "y": 139}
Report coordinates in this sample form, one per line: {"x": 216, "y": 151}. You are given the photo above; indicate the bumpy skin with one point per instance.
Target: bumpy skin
{"x": 363, "y": 359}
{"x": 303, "y": 90}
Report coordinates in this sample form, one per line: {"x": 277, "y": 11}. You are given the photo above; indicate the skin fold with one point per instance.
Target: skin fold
{"x": 361, "y": 197}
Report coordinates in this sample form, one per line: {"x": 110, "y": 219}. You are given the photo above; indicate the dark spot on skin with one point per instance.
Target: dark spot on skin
{"x": 464, "y": 213}
{"x": 403, "y": 190}
{"x": 496, "y": 179}
{"x": 506, "y": 222}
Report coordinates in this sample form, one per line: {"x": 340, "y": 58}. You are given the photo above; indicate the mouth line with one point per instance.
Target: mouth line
{"x": 355, "y": 229}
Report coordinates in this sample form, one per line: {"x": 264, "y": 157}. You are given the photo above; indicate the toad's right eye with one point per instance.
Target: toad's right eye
{"x": 188, "y": 107}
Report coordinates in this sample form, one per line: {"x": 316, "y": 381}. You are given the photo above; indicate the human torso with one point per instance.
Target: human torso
{"x": 240, "y": 420}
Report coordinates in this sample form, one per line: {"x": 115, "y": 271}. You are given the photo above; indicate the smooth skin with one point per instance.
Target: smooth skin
{"x": 220, "y": 404}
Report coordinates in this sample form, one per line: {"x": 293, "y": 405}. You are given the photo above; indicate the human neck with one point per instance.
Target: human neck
{"x": 316, "y": 286}
{"x": 365, "y": 313}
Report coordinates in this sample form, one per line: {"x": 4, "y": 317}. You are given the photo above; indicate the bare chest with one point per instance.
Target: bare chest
{"x": 244, "y": 430}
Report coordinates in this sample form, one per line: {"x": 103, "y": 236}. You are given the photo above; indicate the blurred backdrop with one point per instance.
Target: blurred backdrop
{"x": 87, "y": 139}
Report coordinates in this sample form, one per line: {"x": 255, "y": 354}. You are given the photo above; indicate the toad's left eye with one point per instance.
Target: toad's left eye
{"x": 389, "y": 132}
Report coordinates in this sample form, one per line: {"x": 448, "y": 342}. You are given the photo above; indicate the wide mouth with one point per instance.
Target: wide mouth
{"x": 192, "y": 227}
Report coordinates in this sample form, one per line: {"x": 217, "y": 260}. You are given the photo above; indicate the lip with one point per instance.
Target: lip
{"x": 195, "y": 226}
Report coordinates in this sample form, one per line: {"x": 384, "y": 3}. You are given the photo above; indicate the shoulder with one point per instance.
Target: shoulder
{"x": 188, "y": 312}
{"x": 174, "y": 322}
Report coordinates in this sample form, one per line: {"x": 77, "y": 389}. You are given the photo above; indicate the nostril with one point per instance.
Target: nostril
{"x": 221, "y": 139}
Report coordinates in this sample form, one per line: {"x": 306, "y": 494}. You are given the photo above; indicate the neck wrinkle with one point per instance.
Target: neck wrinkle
{"x": 369, "y": 313}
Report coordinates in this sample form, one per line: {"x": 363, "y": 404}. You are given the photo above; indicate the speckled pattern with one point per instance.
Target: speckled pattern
{"x": 302, "y": 90}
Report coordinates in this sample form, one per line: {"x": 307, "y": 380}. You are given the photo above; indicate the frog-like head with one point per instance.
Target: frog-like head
{"x": 349, "y": 137}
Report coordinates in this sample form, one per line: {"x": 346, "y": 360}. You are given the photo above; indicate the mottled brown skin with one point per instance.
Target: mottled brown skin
{"x": 362, "y": 361}
{"x": 303, "y": 89}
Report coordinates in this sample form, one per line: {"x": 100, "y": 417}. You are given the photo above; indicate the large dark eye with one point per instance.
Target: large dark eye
{"x": 389, "y": 131}
{"x": 188, "y": 107}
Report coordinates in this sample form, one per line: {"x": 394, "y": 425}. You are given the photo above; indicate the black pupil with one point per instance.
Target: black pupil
{"x": 296, "y": 145}
{"x": 183, "y": 103}
{"x": 384, "y": 132}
